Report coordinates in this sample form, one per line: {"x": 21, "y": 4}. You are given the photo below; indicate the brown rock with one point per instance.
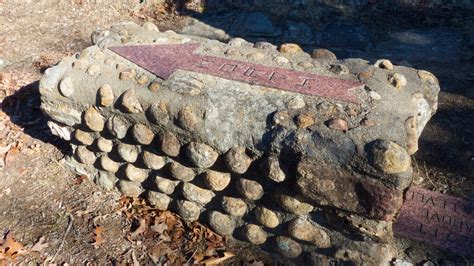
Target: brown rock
{"x": 290, "y": 48}
{"x": 187, "y": 119}
{"x": 127, "y": 74}
{"x": 303, "y": 229}
{"x": 94, "y": 120}
{"x": 287, "y": 247}
{"x": 189, "y": 210}
{"x": 250, "y": 189}
{"x": 104, "y": 145}
{"x": 234, "y": 206}
{"x": 389, "y": 157}
{"x": 135, "y": 174}
{"x": 255, "y": 234}
{"x": 384, "y": 63}
{"x": 201, "y": 155}
{"x": 165, "y": 185}
{"x": 154, "y": 86}
{"x": 82, "y": 137}
{"x": 323, "y": 54}
{"x": 142, "y": 134}
{"x": 237, "y": 160}
{"x": 266, "y": 217}
{"x": 130, "y": 102}
{"x": 216, "y": 181}
{"x": 169, "y": 144}
{"x": 127, "y": 152}
{"x": 181, "y": 172}
{"x": 196, "y": 194}
{"x": 129, "y": 188}
{"x": 304, "y": 120}
{"x": 293, "y": 204}
{"x": 84, "y": 156}
{"x": 105, "y": 95}
{"x": 221, "y": 223}
{"x": 153, "y": 161}
{"x": 108, "y": 164}
{"x": 338, "y": 124}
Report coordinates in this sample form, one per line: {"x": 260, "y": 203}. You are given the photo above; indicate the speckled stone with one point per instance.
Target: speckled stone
{"x": 105, "y": 95}
{"x": 142, "y": 79}
{"x": 130, "y": 102}
{"x": 66, "y": 87}
{"x": 127, "y": 152}
{"x": 287, "y": 247}
{"x": 281, "y": 118}
{"x": 237, "y": 160}
{"x": 216, "y": 181}
{"x": 255, "y": 56}
{"x": 254, "y": 234}
{"x": 189, "y": 210}
{"x": 293, "y": 204}
{"x": 165, "y": 185}
{"x": 159, "y": 113}
{"x": 427, "y": 77}
{"x": 158, "y": 200}
{"x": 153, "y": 161}
{"x": 142, "y": 134}
{"x": 194, "y": 193}
{"x": 108, "y": 164}
{"x": 384, "y": 63}
{"x": 169, "y": 144}
{"x": 129, "y": 188}
{"x": 273, "y": 170}
{"x": 80, "y": 64}
{"x": 398, "y": 81}
{"x": 305, "y": 230}
{"x": 265, "y": 46}
{"x": 181, "y": 172}
{"x": 201, "y": 155}
{"x": 412, "y": 135}
{"x": 84, "y": 155}
{"x": 83, "y": 138}
{"x": 154, "y": 86}
{"x": 304, "y": 120}
{"x": 323, "y": 54}
{"x": 337, "y": 124}
{"x": 290, "y": 48}
{"x": 306, "y": 64}
{"x": 234, "y": 206}
{"x": 136, "y": 174}
{"x": 106, "y": 180}
{"x": 221, "y": 223}
{"x": 250, "y": 189}
{"x": 127, "y": 74}
{"x": 281, "y": 60}
{"x": 117, "y": 126}
{"x": 105, "y": 145}
{"x": 296, "y": 103}
{"x": 389, "y": 157}
{"x": 93, "y": 120}
{"x": 187, "y": 119}
{"x": 266, "y": 217}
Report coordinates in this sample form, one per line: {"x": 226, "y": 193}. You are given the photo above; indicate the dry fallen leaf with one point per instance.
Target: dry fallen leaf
{"x": 10, "y": 248}
{"x": 98, "y": 238}
{"x": 79, "y": 179}
{"x": 140, "y": 229}
{"x": 215, "y": 261}
{"x": 40, "y": 245}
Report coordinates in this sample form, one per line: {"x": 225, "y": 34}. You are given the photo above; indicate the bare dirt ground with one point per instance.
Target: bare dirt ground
{"x": 43, "y": 202}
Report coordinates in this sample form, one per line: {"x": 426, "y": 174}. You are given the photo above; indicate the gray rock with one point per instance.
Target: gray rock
{"x": 158, "y": 200}
{"x": 389, "y": 157}
{"x": 221, "y": 223}
{"x": 237, "y": 160}
{"x": 234, "y": 206}
{"x": 250, "y": 189}
{"x": 254, "y": 234}
{"x": 189, "y": 210}
{"x": 266, "y": 217}
{"x": 117, "y": 126}
{"x": 303, "y": 229}
{"x": 293, "y": 204}
{"x": 169, "y": 144}
{"x": 150, "y": 26}
{"x": 105, "y": 95}
{"x": 181, "y": 172}
{"x": 135, "y": 174}
{"x": 127, "y": 152}
{"x": 153, "y": 161}
{"x": 158, "y": 112}
{"x": 93, "y": 120}
{"x": 196, "y": 194}
{"x": 104, "y": 145}
{"x": 287, "y": 247}
{"x": 83, "y": 138}
{"x": 106, "y": 180}
{"x": 265, "y": 46}
{"x": 165, "y": 185}
{"x": 216, "y": 181}
{"x": 66, "y": 87}
{"x": 130, "y": 102}
{"x": 129, "y": 188}
{"x": 108, "y": 164}
{"x": 273, "y": 170}
{"x": 201, "y": 155}
{"x": 84, "y": 155}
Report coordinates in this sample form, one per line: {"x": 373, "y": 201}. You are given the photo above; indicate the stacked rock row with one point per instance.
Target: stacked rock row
{"x": 286, "y": 171}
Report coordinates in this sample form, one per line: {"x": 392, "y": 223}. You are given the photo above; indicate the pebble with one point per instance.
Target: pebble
{"x": 266, "y": 217}
{"x": 159, "y": 113}
{"x": 337, "y": 124}
{"x": 136, "y": 174}
{"x": 250, "y": 189}
{"x": 108, "y": 164}
{"x": 94, "y": 120}
{"x": 287, "y": 247}
{"x": 104, "y": 145}
{"x": 129, "y": 188}
{"x": 142, "y": 134}
{"x": 237, "y": 160}
{"x": 142, "y": 79}
{"x": 117, "y": 126}
{"x": 127, "y": 74}
{"x": 201, "y": 155}
{"x": 390, "y": 157}
{"x": 273, "y": 170}
{"x": 222, "y": 224}
{"x": 306, "y": 64}
{"x": 304, "y": 120}
{"x": 234, "y": 206}
{"x": 105, "y": 95}
{"x": 181, "y": 172}
{"x": 194, "y": 193}
{"x": 187, "y": 119}
{"x": 427, "y": 77}
{"x": 290, "y": 48}
{"x": 216, "y": 181}
{"x": 169, "y": 144}
{"x": 281, "y": 118}
{"x": 83, "y": 138}
{"x": 281, "y": 60}
{"x": 323, "y": 54}
{"x": 153, "y": 161}
{"x": 158, "y": 200}
{"x": 165, "y": 185}
{"x": 293, "y": 204}
{"x": 150, "y": 26}
{"x": 188, "y": 210}
{"x": 254, "y": 234}
{"x": 236, "y": 42}
{"x": 296, "y": 103}
{"x": 265, "y": 46}
{"x": 130, "y": 102}
{"x": 374, "y": 95}
{"x": 127, "y": 152}
{"x": 84, "y": 155}
{"x": 105, "y": 180}
{"x": 339, "y": 69}
{"x": 232, "y": 52}
{"x": 384, "y": 63}
{"x": 255, "y": 56}
{"x": 154, "y": 86}
{"x": 66, "y": 87}
{"x": 93, "y": 69}
{"x": 367, "y": 122}
{"x": 398, "y": 81}
{"x": 303, "y": 229}
{"x": 412, "y": 136}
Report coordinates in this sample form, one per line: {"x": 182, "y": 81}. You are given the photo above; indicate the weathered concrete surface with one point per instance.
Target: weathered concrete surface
{"x": 342, "y": 166}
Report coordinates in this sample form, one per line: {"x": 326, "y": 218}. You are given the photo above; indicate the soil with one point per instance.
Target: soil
{"x": 40, "y": 197}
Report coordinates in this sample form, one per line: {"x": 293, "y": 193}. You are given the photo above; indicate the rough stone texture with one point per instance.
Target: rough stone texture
{"x": 254, "y": 154}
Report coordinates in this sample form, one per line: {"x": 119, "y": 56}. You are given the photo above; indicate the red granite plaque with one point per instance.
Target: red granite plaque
{"x": 437, "y": 219}
{"x": 164, "y": 59}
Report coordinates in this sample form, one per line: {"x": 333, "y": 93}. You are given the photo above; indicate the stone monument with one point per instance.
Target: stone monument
{"x": 291, "y": 151}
